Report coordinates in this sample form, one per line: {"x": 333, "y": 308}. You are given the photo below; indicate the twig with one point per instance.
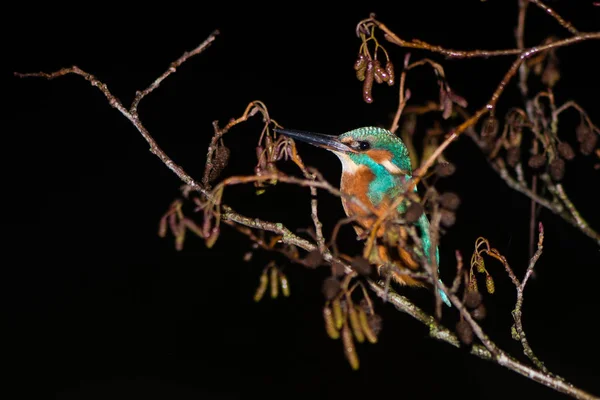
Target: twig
{"x": 517, "y": 312}
{"x": 565, "y": 24}
{"x": 132, "y": 114}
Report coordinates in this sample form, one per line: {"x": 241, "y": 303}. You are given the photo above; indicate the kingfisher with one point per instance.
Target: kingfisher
{"x": 375, "y": 169}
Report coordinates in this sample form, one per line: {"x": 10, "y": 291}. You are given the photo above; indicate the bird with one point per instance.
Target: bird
{"x": 375, "y": 168}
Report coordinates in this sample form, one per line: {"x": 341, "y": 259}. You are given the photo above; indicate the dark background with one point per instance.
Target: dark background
{"x": 96, "y": 305}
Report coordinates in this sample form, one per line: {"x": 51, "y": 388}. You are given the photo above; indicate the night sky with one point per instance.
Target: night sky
{"x": 97, "y": 306}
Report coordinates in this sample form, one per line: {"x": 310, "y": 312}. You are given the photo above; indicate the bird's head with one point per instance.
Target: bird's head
{"x": 371, "y": 147}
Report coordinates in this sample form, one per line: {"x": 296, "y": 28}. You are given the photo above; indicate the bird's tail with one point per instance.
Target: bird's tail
{"x": 423, "y": 224}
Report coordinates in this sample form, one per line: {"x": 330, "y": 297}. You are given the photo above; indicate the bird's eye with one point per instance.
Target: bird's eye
{"x": 363, "y": 145}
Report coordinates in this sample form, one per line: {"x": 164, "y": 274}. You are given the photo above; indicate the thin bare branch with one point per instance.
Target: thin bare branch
{"x": 564, "y": 23}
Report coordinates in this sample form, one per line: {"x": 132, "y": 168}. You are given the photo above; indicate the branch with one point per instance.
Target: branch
{"x": 131, "y": 114}
{"x": 437, "y": 330}
{"x": 518, "y": 314}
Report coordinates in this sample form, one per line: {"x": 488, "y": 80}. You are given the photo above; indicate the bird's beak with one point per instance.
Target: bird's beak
{"x": 328, "y": 142}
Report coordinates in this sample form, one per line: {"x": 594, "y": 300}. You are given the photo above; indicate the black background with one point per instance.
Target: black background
{"x": 97, "y": 306}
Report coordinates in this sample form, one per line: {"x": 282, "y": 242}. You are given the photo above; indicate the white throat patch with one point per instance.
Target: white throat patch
{"x": 348, "y": 166}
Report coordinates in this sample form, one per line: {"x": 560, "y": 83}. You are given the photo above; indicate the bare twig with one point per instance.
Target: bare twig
{"x": 131, "y": 114}
{"x": 565, "y": 24}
